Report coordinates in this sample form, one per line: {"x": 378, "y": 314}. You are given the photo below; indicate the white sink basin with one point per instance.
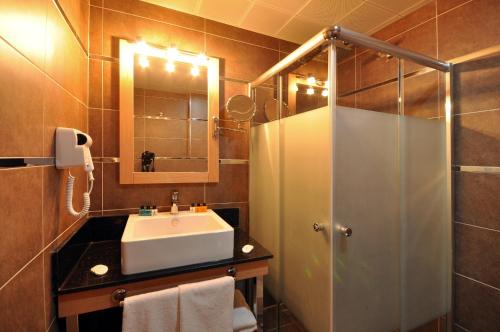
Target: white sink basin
{"x": 167, "y": 240}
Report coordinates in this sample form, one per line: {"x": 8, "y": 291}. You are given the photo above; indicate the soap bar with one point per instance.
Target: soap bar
{"x": 247, "y": 248}
{"x": 99, "y": 270}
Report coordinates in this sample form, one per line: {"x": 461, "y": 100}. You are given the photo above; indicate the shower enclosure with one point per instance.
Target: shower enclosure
{"x": 350, "y": 186}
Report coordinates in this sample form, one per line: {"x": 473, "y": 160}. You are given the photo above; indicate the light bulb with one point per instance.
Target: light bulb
{"x": 195, "y": 71}
{"x": 170, "y": 67}
{"x": 324, "y": 93}
{"x": 310, "y": 90}
{"x": 311, "y": 79}
{"x": 141, "y": 47}
{"x": 172, "y": 53}
{"x": 143, "y": 61}
{"x": 201, "y": 59}
{"x": 295, "y": 88}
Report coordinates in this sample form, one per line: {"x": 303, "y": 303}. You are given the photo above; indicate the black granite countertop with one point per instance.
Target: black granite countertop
{"x": 90, "y": 247}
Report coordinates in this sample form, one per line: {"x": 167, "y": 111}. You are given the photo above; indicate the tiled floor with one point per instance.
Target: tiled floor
{"x": 287, "y": 322}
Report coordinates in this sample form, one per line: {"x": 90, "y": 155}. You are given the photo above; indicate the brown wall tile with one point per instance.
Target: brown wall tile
{"x": 231, "y": 32}
{"x": 468, "y": 28}
{"x": 77, "y": 14}
{"x": 372, "y": 68}
{"x": 56, "y": 219}
{"x": 476, "y": 253}
{"x": 477, "y": 85}
{"x": 22, "y": 300}
{"x": 120, "y": 25}
{"x": 95, "y": 30}
{"x": 234, "y": 145}
{"x": 421, "y": 39}
{"x": 476, "y": 199}
{"x": 444, "y": 5}
{"x": 65, "y": 60}
{"x": 477, "y": 139}
{"x": 232, "y": 186}
{"x": 421, "y": 96}
{"x": 110, "y": 133}
{"x": 286, "y": 46}
{"x": 96, "y": 195}
{"x": 95, "y": 131}
{"x": 243, "y": 211}
{"x": 61, "y": 109}
{"x": 233, "y": 54}
{"x": 50, "y": 298}
{"x": 111, "y": 85}
{"x": 380, "y": 99}
{"x": 476, "y": 305}
{"x": 26, "y": 33}
{"x": 410, "y": 21}
{"x": 346, "y": 77}
{"x": 21, "y": 222}
{"x": 118, "y": 196}
{"x": 151, "y": 11}
{"x": 43, "y": 88}
{"x": 95, "y": 83}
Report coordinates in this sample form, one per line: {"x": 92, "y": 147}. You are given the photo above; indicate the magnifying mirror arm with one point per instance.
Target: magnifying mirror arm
{"x": 218, "y": 127}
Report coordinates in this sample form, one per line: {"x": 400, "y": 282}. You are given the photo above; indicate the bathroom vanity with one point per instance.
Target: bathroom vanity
{"x": 80, "y": 291}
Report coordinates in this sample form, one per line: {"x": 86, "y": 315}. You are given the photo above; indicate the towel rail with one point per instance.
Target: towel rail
{"x": 120, "y": 294}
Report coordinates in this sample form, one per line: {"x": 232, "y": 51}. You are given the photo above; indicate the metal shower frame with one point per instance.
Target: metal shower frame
{"x": 327, "y": 38}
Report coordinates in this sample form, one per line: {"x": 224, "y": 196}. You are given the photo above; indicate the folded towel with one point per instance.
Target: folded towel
{"x": 250, "y": 329}
{"x": 152, "y": 312}
{"x": 243, "y": 318}
{"x": 207, "y": 305}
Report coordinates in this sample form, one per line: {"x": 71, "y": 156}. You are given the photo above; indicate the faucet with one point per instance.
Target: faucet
{"x": 175, "y": 199}
{"x": 175, "y": 196}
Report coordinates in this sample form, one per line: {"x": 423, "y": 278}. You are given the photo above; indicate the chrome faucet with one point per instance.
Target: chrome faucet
{"x": 175, "y": 196}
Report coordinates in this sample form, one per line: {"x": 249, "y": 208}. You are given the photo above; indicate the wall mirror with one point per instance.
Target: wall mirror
{"x": 168, "y": 99}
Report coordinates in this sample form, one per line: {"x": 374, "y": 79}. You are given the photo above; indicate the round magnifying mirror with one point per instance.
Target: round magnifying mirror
{"x": 240, "y": 108}
{"x": 271, "y": 109}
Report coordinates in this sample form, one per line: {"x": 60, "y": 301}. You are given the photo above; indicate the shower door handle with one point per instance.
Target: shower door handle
{"x": 318, "y": 227}
{"x": 344, "y": 230}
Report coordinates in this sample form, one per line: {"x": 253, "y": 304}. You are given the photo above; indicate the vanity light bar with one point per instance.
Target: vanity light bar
{"x": 171, "y": 54}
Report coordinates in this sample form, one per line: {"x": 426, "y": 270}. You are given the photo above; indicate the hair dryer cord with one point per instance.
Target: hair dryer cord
{"x": 86, "y": 196}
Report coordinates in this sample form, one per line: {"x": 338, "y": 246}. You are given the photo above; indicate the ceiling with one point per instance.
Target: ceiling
{"x": 297, "y": 20}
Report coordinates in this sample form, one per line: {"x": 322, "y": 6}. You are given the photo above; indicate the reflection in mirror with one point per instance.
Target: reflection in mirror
{"x": 306, "y": 84}
{"x": 240, "y": 108}
{"x": 170, "y": 116}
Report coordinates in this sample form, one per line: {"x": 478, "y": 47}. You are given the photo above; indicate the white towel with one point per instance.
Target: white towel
{"x": 152, "y": 312}
{"x": 243, "y": 320}
{"x": 207, "y": 305}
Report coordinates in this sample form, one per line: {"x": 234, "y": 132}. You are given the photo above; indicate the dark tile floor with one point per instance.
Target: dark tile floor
{"x": 287, "y": 321}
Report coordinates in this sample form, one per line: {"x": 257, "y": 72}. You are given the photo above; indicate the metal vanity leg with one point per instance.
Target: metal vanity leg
{"x": 72, "y": 323}
{"x": 258, "y": 302}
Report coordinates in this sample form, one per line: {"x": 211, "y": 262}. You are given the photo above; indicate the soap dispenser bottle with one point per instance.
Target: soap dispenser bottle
{"x": 174, "y": 209}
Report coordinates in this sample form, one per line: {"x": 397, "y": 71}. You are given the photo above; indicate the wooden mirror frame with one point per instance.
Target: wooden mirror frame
{"x": 127, "y": 173}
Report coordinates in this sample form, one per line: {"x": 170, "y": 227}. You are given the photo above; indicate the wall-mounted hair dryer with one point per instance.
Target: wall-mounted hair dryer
{"x": 72, "y": 150}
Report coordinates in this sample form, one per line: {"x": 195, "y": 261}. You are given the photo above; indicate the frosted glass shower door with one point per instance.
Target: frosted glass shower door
{"x": 366, "y": 199}
{"x": 306, "y": 254}
{"x": 392, "y": 274}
